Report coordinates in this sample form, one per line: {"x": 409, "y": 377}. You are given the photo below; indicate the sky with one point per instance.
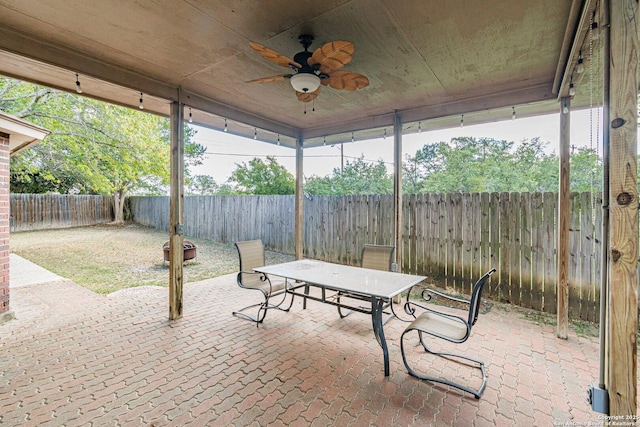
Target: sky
{"x": 225, "y": 151}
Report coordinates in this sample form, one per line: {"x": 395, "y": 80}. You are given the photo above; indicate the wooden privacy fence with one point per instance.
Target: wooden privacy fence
{"x": 45, "y": 211}
{"x": 452, "y": 238}
{"x": 455, "y": 238}
{"x": 226, "y": 219}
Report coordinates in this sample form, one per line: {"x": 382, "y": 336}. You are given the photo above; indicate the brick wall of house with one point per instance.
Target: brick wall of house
{"x": 4, "y": 223}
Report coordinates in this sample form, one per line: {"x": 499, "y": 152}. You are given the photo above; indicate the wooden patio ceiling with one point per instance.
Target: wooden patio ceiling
{"x": 429, "y": 61}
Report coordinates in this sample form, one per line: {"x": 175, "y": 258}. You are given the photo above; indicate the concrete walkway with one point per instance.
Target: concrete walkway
{"x": 75, "y": 358}
{"x": 23, "y": 272}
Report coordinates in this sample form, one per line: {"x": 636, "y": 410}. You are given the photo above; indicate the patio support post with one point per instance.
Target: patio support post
{"x": 606, "y": 145}
{"x": 299, "y": 200}
{"x": 176, "y": 212}
{"x": 563, "y": 220}
{"x": 6, "y": 313}
{"x": 622, "y": 318}
{"x": 397, "y": 187}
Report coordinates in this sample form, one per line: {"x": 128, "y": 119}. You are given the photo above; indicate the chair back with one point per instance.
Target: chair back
{"x": 476, "y": 295}
{"x": 251, "y": 255}
{"x": 378, "y": 257}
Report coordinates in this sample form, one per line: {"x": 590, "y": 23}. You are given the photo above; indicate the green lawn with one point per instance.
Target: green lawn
{"x": 108, "y": 258}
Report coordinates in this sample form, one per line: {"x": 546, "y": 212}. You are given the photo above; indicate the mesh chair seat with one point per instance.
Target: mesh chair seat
{"x": 443, "y": 327}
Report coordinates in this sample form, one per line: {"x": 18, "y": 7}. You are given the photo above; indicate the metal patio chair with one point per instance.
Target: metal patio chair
{"x": 251, "y": 255}
{"x": 375, "y": 257}
{"x": 447, "y": 326}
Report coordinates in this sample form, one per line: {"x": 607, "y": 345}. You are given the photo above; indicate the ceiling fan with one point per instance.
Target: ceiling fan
{"x": 310, "y": 70}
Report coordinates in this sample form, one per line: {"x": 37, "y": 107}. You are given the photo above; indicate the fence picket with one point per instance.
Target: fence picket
{"x": 526, "y": 249}
{"x": 537, "y": 251}
{"x": 587, "y": 234}
{"x": 575, "y": 254}
{"x": 550, "y": 213}
{"x": 505, "y": 248}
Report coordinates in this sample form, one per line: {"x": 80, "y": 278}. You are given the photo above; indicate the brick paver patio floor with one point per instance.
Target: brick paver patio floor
{"x": 76, "y": 358}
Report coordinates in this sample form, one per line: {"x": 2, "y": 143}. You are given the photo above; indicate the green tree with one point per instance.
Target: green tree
{"x": 416, "y": 168}
{"x": 93, "y": 148}
{"x": 532, "y": 169}
{"x": 262, "y": 177}
{"x": 585, "y": 170}
{"x": 468, "y": 164}
{"x": 357, "y": 177}
{"x": 205, "y": 185}
{"x": 201, "y": 185}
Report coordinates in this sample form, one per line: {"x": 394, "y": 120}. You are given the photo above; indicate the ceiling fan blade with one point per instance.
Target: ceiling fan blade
{"x": 270, "y": 79}
{"x": 346, "y": 80}
{"x": 308, "y": 96}
{"x": 273, "y": 56}
{"x": 332, "y": 56}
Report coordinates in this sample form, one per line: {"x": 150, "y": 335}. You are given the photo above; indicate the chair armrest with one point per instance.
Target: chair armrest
{"x": 427, "y": 295}
{"x": 263, "y": 278}
{"x": 408, "y": 303}
{"x": 410, "y": 307}
{"x": 250, "y": 272}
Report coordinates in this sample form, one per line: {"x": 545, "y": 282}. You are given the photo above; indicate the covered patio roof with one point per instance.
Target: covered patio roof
{"x": 429, "y": 61}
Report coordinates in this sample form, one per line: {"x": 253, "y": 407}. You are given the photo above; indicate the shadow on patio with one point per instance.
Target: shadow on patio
{"x": 74, "y": 357}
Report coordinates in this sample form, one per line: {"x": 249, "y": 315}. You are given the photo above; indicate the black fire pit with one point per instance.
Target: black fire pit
{"x": 188, "y": 247}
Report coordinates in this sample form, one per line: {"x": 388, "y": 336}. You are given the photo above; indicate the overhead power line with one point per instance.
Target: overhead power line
{"x": 336, "y": 156}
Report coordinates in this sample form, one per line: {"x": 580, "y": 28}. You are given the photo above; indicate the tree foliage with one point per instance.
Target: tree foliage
{"x": 585, "y": 170}
{"x": 464, "y": 164}
{"x": 487, "y": 165}
{"x": 205, "y": 185}
{"x": 93, "y": 148}
{"x": 357, "y": 177}
{"x": 262, "y": 177}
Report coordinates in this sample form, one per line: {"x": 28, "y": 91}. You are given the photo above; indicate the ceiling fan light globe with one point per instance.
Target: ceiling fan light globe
{"x": 305, "y": 82}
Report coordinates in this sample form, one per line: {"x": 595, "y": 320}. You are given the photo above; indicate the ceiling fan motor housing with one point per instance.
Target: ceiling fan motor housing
{"x": 306, "y": 78}
{"x": 301, "y": 58}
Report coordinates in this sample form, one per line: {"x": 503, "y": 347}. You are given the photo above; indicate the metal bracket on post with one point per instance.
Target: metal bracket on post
{"x": 598, "y": 398}
{"x": 180, "y": 229}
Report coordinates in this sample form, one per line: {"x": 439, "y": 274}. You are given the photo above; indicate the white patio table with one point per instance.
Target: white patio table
{"x": 377, "y": 287}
